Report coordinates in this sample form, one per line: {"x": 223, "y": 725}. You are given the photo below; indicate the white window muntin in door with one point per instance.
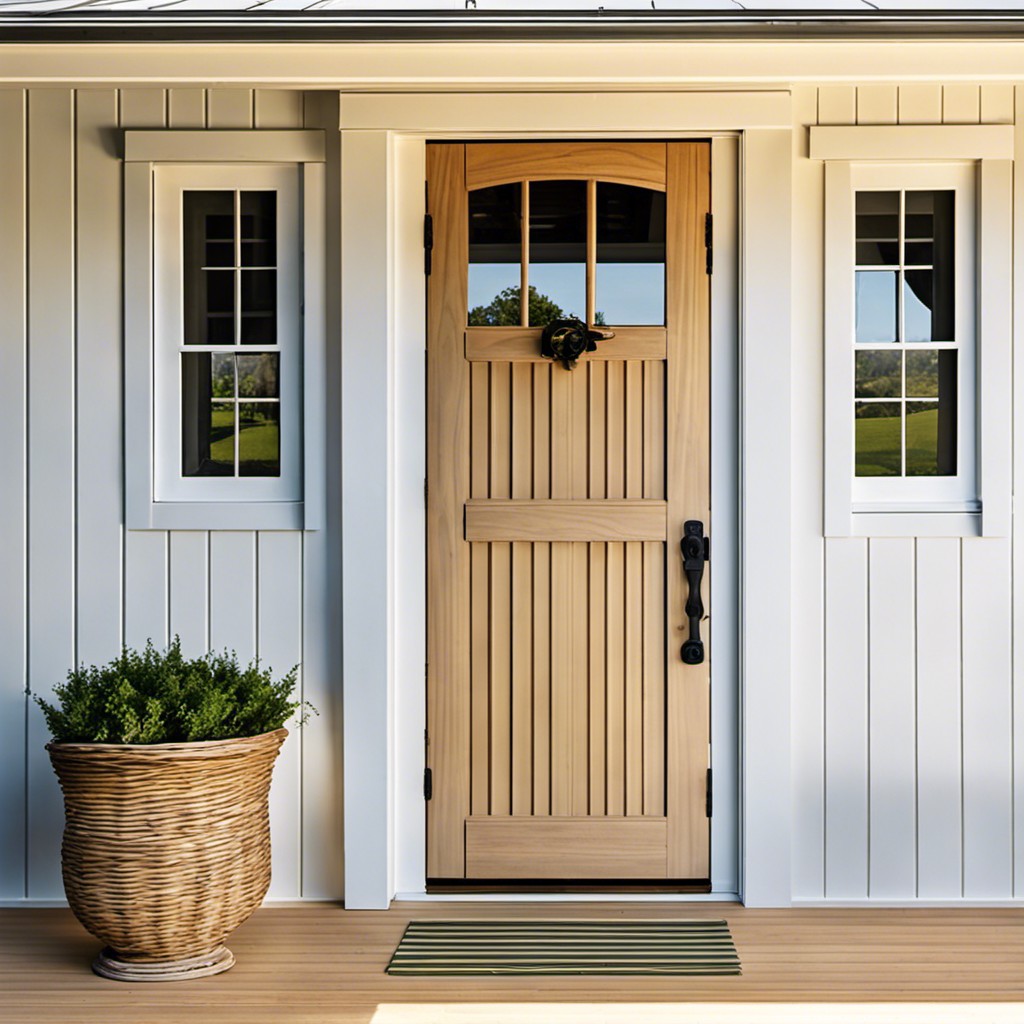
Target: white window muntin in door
{"x": 171, "y": 183}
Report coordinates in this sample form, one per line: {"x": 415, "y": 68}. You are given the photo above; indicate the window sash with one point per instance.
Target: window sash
{"x": 170, "y": 181}
{"x": 949, "y": 493}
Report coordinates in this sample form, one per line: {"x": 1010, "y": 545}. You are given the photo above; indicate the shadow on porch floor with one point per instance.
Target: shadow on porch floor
{"x": 317, "y": 964}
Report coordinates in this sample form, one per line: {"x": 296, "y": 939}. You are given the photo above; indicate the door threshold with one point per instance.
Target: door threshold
{"x": 548, "y": 886}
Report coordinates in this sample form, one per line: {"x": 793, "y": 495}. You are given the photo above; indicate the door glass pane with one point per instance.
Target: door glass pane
{"x": 208, "y": 241}
{"x": 878, "y": 374}
{"x": 878, "y": 438}
{"x": 630, "y": 255}
{"x": 259, "y": 439}
{"x": 878, "y": 228}
{"x": 495, "y": 256}
{"x": 876, "y": 306}
{"x": 558, "y": 250}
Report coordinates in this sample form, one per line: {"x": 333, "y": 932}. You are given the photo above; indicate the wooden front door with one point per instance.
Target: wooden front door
{"x": 566, "y": 739}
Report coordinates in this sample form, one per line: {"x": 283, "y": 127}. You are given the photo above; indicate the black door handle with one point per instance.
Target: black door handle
{"x": 696, "y": 552}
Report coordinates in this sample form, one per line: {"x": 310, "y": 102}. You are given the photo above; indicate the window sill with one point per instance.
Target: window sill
{"x": 222, "y": 515}
{"x": 915, "y": 524}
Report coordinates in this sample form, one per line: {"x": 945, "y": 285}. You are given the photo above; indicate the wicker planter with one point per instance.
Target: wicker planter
{"x": 166, "y": 849}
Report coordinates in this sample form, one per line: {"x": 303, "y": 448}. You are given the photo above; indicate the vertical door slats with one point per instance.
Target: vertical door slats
{"x": 576, "y": 692}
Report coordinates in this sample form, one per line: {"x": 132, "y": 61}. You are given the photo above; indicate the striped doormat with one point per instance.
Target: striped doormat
{"x": 565, "y": 947}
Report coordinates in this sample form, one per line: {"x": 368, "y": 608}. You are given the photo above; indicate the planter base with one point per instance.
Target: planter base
{"x": 107, "y": 965}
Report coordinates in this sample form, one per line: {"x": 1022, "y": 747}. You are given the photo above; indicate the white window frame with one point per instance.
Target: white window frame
{"x": 159, "y": 165}
{"x": 910, "y": 158}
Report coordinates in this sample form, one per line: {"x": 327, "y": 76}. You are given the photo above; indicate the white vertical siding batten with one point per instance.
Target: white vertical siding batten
{"x": 146, "y": 552}
{"x": 997, "y": 103}
{"x": 939, "y": 781}
{"x": 233, "y": 593}
{"x": 188, "y": 551}
{"x": 51, "y": 458}
{"x": 280, "y": 648}
{"x": 99, "y": 368}
{"x": 278, "y": 108}
{"x": 847, "y": 645}
{"x": 146, "y": 615}
{"x": 920, "y": 103}
{"x": 13, "y": 474}
{"x": 837, "y": 104}
{"x": 892, "y": 861}
{"x": 143, "y": 108}
{"x": 189, "y": 589}
{"x": 961, "y": 103}
{"x": 987, "y": 753}
{"x": 877, "y": 104}
{"x": 186, "y": 108}
{"x": 808, "y": 545}
{"x": 229, "y": 108}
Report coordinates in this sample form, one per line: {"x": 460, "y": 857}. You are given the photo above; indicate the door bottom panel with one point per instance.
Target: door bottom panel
{"x": 610, "y": 847}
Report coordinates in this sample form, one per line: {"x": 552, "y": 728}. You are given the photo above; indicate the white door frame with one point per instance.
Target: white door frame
{"x": 383, "y": 416}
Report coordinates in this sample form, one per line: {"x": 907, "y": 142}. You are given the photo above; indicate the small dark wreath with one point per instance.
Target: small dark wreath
{"x": 566, "y": 340}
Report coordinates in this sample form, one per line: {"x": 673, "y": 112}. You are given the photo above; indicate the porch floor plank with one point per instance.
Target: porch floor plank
{"x": 318, "y": 964}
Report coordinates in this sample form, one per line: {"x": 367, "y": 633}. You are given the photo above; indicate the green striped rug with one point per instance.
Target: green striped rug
{"x": 565, "y": 947}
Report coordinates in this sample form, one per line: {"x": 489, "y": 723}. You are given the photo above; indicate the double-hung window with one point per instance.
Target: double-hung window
{"x": 916, "y": 329}
{"x": 224, "y": 314}
{"x": 913, "y": 347}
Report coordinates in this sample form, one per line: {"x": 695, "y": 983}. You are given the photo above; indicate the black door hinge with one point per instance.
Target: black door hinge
{"x": 708, "y": 800}
{"x": 428, "y": 241}
{"x": 428, "y": 783}
{"x": 708, "y": 249}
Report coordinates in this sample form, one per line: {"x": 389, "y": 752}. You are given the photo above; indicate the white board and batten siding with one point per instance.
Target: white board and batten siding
{"x": 906, "y": 750}
{"x": 74, "y": 584}
{"x": 907, "y": 722}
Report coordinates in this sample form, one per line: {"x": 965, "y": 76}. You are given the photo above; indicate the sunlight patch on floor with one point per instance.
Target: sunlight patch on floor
{"x": 699, "y": 1013}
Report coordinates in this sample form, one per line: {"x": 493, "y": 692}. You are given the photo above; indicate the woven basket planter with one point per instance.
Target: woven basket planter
{"x": 166, "y": 849}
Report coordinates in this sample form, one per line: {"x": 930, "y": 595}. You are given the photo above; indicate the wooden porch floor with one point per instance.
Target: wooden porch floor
{"x": 318, "y": 964}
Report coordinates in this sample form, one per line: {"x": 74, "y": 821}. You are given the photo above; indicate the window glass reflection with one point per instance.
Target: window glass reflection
{"x": 630, "y": 255}
{"x": 878, "y": 226}
{"x": 878, "y": 438}
{"x": 878, "y": 374}
{"x": 876, "y": 308}
{"x": 208, "y": 256}
{"x": 259, "y": 439}
{"x": 558, "y": 250}
{"x": 495, "y": 255}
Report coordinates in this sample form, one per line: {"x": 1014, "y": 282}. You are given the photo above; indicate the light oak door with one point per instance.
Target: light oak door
{"x": 566, "y": 739}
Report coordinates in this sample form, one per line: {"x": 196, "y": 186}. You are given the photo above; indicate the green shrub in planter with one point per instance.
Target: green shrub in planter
{"x": 163, "y": 697}
{"x": 165, "y": 763}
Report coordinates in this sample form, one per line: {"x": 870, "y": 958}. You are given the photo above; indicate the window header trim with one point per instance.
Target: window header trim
{"x": 296, "y": 146}
{"x": 912, "y": 142}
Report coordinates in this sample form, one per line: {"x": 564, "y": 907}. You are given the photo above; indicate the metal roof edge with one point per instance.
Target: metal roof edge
{"x": 91, "y": 25}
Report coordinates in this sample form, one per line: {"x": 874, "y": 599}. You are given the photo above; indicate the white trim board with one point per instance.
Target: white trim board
{"x": 911, "y": 142}
{"x": 519, "y": 66}
{"x": 383, "y": 857}
{"x": 291, "y": 146}
{"x": 464, "y": 113}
